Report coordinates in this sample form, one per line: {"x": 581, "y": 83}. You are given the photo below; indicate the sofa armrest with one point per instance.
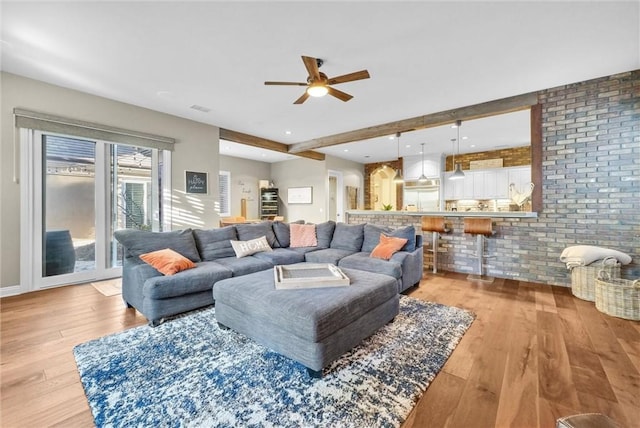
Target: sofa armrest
{"x": 412, "y": 265}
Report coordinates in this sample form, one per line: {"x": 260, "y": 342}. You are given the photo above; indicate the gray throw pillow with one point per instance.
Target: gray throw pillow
{"x": 215, "y": 243}
{"x": 139, "y": 242}
{"x": 247, "y": 232}
{"x": 348, "y": 237}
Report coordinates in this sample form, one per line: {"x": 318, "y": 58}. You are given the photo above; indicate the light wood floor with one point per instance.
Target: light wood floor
{"x": 534, "y": 353}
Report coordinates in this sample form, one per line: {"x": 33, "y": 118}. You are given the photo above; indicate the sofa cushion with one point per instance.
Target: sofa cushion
{"x": 363, "y": 261}
{"x": 327, "y": 255}
{"x": 201, "y": 278}
{"x": 303, "y": 235}
{"x": 215, "y": 243}
{"x": 348, "y": 237}
{"x": 139, "y": 242}
{"x": 324, "y": 233}
{"x": 283, "y": 233}
{"x": 252, "y": 246}
{"x": 280, "y": 256}
{"x": 167, "y": 261}
{"x": 372, "y": 236}
{"x": 244, "y": 265}
{"x": 408, "y": 233}
{"x": 247, "y": 232}
{"x": 387, "y": 247}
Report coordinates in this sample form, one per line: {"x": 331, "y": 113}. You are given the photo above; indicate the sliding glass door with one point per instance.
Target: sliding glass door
{"x": 82, "y": 190}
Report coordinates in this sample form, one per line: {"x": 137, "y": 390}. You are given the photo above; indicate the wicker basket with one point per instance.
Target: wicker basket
{"x": 583, "y": 277}
{"x": 618, "y": 297}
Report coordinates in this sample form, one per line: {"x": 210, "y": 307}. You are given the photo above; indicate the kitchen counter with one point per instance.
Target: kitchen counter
{"x": 492, "y": 214}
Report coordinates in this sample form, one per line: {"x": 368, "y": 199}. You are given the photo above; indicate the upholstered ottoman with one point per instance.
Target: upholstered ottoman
{"x": 313, "y": 326}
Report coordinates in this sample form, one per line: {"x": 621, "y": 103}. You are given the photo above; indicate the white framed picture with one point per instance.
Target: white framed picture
{"x": 300, "y": 195}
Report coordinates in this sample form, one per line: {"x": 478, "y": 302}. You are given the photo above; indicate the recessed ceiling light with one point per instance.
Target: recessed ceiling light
{"x": 346, "y": 150}
{"x": 465, "y": 138}
{"x": 408, "y": 146}
{"x": 287, "y": 132}
{"x": 392, "y": 137}
{"x": 473, "y": 145}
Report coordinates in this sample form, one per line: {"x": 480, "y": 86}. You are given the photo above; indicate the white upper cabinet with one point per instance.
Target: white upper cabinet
{"x": 413, "y": 166}
{"x": 487, "y": 183}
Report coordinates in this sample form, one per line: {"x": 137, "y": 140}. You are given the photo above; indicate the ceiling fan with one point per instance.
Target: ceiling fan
{"x": 318, "y": 82}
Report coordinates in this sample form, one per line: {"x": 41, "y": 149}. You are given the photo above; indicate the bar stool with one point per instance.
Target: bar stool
{"x": 436, "y": 226}
{"x": 482, "y": 227}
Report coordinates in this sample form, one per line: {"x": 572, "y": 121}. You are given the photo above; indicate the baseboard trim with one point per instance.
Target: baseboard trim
{"x": 14, "y": 290}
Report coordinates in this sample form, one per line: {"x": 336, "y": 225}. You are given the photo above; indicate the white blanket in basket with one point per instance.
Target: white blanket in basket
{"x": 581, "y": 255}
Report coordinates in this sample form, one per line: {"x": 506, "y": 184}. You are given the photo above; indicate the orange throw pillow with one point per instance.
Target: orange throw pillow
{"x": 303, "y": 235}
{"x": 167, "y": 261}
{"x": 387, "y": 247}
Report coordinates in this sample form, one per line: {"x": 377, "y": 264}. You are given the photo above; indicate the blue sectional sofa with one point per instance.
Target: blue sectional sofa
{"x": 158, "y": 296}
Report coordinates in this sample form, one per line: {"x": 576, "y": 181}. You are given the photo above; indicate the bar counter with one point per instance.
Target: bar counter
{"x": 492, "y": 214}
{"x": 517, "y": 236}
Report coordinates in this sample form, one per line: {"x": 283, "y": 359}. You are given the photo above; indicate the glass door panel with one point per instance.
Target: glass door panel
{"x": 68, "y": 214}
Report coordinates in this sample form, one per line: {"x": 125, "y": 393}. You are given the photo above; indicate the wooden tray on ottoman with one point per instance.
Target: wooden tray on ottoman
{"x": 309, "y": 275}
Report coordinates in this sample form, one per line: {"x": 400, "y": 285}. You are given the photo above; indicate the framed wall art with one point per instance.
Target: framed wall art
{"x": 300, "y": 195}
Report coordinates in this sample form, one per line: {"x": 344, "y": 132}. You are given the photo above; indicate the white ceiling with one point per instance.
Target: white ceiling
{"x": 423, "y": 57}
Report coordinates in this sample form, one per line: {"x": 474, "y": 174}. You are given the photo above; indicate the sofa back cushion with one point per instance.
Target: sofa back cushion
{"x": 247, "y": 232}
{"x": 372, "y": 236}
{"x": 348, "y": 237}
{"x": 283, "y": 233}
{"x": 324, "y": 233}
{"x": 408, "y": 233}
{"x": 215, "y": 243}
{"x": 139, "y": 242}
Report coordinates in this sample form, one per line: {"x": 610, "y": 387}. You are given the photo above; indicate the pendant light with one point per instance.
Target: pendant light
{"x": 422, "y": 178}
{"x": 398, "y": 177}
{"x": 457, "y": 173}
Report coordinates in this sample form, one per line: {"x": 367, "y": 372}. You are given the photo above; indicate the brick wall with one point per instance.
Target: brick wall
{"x": 516, "y": 156}
{"x": 591, "y": 187}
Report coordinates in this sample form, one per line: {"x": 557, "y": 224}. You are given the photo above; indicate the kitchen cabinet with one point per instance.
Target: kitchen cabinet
{"x": 487, "y": 183}
{"x": 413, "y": 166}
{"x": 268, "y": 203}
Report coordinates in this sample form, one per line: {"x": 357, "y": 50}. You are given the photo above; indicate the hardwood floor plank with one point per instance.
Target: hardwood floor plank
{"x": 520, "y": 382}
{"x": 534, "y": 353}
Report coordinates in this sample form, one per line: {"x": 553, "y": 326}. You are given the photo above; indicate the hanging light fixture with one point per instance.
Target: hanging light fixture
{"x": 457, "y": 173}
{"x": 398, "y": 177}
{"x": 423, "y": 177}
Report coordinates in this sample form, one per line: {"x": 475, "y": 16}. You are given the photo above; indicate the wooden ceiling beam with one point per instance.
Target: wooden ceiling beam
{"x": 477, "y": 111}
{"x": 263, "y": 143}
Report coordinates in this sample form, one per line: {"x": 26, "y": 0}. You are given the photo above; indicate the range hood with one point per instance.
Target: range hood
{"x": 432, "y": 183}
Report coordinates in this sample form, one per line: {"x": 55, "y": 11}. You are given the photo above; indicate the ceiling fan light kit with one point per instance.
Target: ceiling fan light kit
{"x": 318, "y": 84}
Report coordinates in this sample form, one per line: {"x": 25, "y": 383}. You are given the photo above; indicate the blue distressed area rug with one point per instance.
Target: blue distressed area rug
{"x": 189, "y": 373}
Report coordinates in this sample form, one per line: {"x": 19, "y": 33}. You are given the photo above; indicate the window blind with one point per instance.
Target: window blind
{"x": 224, "y": 190}
{"x": 50, "y": 123}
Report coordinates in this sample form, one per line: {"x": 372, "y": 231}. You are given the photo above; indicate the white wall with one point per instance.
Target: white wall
{"x": 245, "y": 175}
{"x": 308, "y": 172}
{"x": 352, "y": 175}
{"x": 196, "y": 149}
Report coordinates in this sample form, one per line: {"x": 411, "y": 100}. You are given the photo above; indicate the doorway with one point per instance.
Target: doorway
{"x": 76, "y": 193}
{"x": 383, "y": 189}
{"x": 335, "y": 209}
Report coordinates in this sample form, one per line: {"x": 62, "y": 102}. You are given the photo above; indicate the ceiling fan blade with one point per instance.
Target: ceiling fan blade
{"x": 358, "y": 75}
{"x": 339, "y": 94}
{"x": 302, "y": 98}
{"x": 312, "y": 67}
{"x": 286, "y": 83}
